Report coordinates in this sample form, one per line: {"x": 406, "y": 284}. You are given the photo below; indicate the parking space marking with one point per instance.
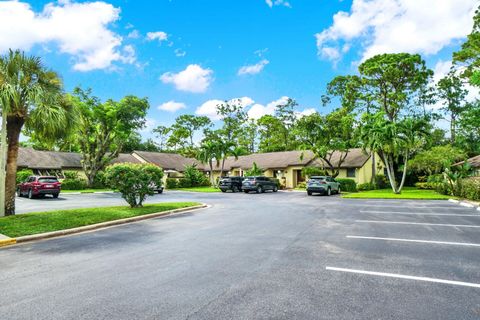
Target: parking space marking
{"x": 419, "y": 223}
{"x": 407, "y": 277}
{"x": 473, "y": 214}
{"x": 417, "y": 241}
{"x": 415, "y": 207}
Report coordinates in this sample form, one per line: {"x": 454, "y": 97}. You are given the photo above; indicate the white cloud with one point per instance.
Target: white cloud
{"x": 272, "y": 3}
{"x": 305, "y": 112}
{"x": 259, "y": 110}
{"x": 193, "y": 79}
{"x": 172, "y": 106}
{"x": 157, "y": 35}
{"x": 388, "y": 26}
{"x": 134, "y": 34}
{"x": 79, "y": 29}
{"x": 209, "y": 108}
{"x": 180, "y": 53}
{"x": 149, "y": 125}
{"x": 253, "y": 69}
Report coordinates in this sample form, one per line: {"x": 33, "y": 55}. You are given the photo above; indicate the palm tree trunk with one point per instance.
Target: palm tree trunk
{"x": 14, "y": 127}
{"x": 404, "y": 175}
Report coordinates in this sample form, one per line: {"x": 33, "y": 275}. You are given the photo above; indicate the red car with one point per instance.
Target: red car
{"x": 39, "y": 186}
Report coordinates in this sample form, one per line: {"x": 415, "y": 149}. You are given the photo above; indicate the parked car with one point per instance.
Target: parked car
{"x": 233, "y": 184}
{"x": 259, "y": 184}
{"x": 322, "y": 184}
{"x": 39, "y": 186}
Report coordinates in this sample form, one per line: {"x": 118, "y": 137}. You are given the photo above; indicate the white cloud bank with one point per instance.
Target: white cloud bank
{"x": 388, "y": 26}
{"x": 172, "y": 106}
{"x": 272, "y": 3}
{"x": 254, "y": 110}
{"x": 253, "y": 69}
{"x": 79, "y": 29}
{"x": 157, "y": 35}
{"x": 193, "y": 79}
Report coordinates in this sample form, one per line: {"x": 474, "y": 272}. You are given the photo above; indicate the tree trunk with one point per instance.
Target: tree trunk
{"x": 453, "y": 121}
{"x": 404, "y": 175}
{"x": 14, "y": 127}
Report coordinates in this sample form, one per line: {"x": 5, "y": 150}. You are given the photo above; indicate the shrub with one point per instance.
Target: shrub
{"x": 366, "y": 186}
{"x": 426, "y": 185}
{"x": 184, "y": 183}
{"x": 254, "y": 171}
{"x": 468, "y": 188}
{"x": 23, "y": 174}
{"x": 348, "y": 185}
{"x": 134, "y": 181}
{"x": 381, "y": 182}
{"x": 302, "y": 185}
{"x": 195, "y": 177}
{"x": 172, "y": 183}
{"x": 71, "y": 175}
{"x": 99, "y": 180}
{"x": 74, "y": 184}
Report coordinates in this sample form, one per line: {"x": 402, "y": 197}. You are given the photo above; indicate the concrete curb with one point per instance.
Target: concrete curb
{"x": 96, "y": 226}
{"x": 466, "y": 203}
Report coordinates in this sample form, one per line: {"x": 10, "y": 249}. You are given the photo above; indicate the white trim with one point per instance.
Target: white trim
{"x": 417, "y": 241}
{"x": 407, "y": 277}
{"x": 419, "y": 223}
{"x": 424, "y": 213}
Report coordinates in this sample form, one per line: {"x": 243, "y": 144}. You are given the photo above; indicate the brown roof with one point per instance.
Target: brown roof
{"x": 168, "y": 161}
{"x": 125, "y": 157}
{"x": 270, "y": 160}
{"x": 474, "y": 162}
{"x": 356, "y": 158}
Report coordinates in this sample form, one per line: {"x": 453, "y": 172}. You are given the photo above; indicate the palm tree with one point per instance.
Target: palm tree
{"x": 226, "y": 150}
{"x": 207, "y": 153}
{"x": 30, "y": 95}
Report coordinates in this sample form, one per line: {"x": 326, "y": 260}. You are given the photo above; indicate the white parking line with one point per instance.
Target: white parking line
{"x": 419, "y": 223}
{"x": 424, "y": 213}
{"x": 466, "y": 244}
{"x": 451, "y": 207}
{"x": 402, "y": 276}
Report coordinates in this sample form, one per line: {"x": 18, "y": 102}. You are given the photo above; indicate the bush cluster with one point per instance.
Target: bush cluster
{"x": 426, "y": 185}
{"x": 134, "y": 181}
{"x": 468, "y": 188}
{"x": 366, "y": 186}
{"x": 313, "y": 171}
{"x": 348, "y": 185}
{"x": 192, "y": 178}
{"x": 23, "y": 174}
{"x": 302, "y": 185}
{"x": 73, "y": 181}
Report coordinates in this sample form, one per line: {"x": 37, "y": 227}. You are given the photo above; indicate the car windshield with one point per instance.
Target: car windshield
{"x": 316, "y": 179}
{"x": 48, "y": 180}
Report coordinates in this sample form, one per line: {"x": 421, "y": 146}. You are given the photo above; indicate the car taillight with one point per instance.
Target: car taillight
{"x": 323, "y": 182}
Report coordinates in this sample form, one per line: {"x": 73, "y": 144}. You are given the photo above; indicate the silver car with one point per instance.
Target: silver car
{"x": 322, "y": 184}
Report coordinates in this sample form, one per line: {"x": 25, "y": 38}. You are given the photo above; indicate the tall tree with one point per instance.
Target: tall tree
{"x": 469, "y": 129}
{"x": 328, "y": 135}
{"x": 104, "y": 127}
{"x": 469, "y": 54}
{"x": 395, "y": 82}
{"x": 30, "y": 95}
{"x": 162, "y": 133}
{"x": 207, "y": 154}
{"x": 233, "y": 116}
{"x": 452, "y": 94}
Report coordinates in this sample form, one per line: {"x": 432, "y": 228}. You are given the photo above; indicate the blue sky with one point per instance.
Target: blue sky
{"x": 185, "y": 54}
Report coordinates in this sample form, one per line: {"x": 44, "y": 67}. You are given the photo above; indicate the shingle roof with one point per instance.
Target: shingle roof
{"x": 168, "y": 161}
{"x": 474, "y": 162}
{"x": 270, "y": 160}
{"x": 125, "y": 157}
{"x": 356, "y": 158}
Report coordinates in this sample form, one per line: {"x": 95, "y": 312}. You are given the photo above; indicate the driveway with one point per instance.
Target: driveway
{"x": 265, "y": 256}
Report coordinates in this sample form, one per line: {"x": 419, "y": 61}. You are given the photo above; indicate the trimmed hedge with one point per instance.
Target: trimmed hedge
{"x": 348, "y": 185}
{"x": 74, "y": 184}
{"x": 366, "y": 186}
{"x": 23, "y": 174}
{"x": 172, "y": 183}
{"x": 469, "y": 188}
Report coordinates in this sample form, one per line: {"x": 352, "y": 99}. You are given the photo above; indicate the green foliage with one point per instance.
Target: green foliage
{"x": 254, "y": 171}
{"x": 172, "y": 183}
{"x": 435, "y": 160}
{"x": 104, "y": 127}
{"x": 366, "y": 186}
{"x": 348, "y": 185}
{"x": 469, "y": 189}
{"x": 134, "y": 143}
{"x": 134, "y": 181}
{"x": 23, "y": 174}
{"x": 194, "y": 177}
{"x": 469, "y": 129}
{"x": 426, "y": 185}
{"x": 302, "y": 185}
{"x": 381, "y": 182}
{"x": 184, "y": 183}
{"x": 74, "y": 184}
{"x": 313, "y": 171}
{"x": 71, "y": 174}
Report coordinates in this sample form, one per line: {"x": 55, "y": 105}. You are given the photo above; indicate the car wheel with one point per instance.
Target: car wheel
{"x": 235, "y": 189}
{"x": 55, "y": 195}
{"x": 246, "y": 191}
{"x": 259, "y": 189}
{"x": 223, "y": 190}
{"x": 329, "y": 192}
{"x": 309, "y": 193}
{"x": 338, "y": 190}
{"x": 160, "y": 191}
{"x": 19, "y": 192}
{"x": 275, "y": 189}
{"x": 30, "y": 194}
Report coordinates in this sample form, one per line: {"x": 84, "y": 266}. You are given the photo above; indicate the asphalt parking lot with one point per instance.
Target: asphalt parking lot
{"x": 266, "y": 256}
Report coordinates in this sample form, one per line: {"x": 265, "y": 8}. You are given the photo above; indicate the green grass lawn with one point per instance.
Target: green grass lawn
{"x": 85, "y": 190}
{"x": 407, "y": 193}
{"x": 198, "y": 189}
{"x": 39, "y": 222}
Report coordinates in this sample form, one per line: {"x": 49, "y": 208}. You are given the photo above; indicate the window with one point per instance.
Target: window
{"x": 351, "y": 172}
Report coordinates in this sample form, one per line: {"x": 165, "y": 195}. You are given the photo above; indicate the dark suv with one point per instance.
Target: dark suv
{"x": 233, "y": 184}
{"x": 259, "y": 184}
{"x": 39, "y": 186}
